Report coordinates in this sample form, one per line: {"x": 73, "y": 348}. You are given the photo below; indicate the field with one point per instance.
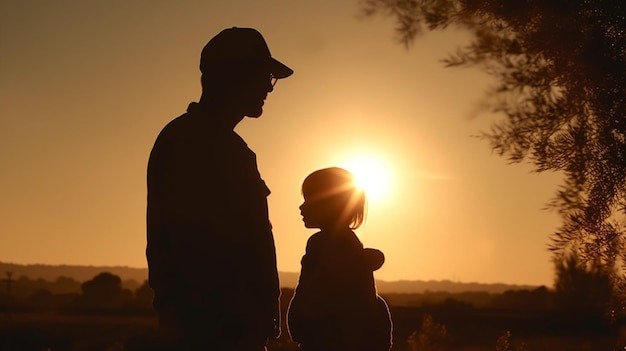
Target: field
{"x": 430, "y": 330}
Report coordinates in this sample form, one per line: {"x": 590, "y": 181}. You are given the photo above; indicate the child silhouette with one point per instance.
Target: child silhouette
{"x": 335, "y": 305}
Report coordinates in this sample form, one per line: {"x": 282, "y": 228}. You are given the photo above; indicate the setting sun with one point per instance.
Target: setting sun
{"x": 371, "y": 175}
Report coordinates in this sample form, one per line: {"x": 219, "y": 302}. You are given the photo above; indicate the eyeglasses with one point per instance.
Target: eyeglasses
{"x": 273, "y": 80}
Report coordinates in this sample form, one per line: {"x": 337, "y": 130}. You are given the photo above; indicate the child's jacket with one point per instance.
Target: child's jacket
{"x": 335, "y": 305}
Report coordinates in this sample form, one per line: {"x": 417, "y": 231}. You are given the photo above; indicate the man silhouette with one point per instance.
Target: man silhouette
{"x": 210, "y": 248}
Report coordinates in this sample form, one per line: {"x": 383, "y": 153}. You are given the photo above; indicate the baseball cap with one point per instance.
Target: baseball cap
{"x": 241, "y": 44}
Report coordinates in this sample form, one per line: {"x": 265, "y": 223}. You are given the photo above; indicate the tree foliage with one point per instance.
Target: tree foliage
{"x": 560, "y": 72}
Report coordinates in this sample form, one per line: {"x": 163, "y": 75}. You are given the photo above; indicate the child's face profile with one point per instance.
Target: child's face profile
{"x": 322, "y": 213}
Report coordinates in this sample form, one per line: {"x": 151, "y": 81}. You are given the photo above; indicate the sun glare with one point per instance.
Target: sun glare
{"x": 370, "y": 174}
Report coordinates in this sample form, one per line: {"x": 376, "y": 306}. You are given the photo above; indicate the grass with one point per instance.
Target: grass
{"x": 130, "y": 332}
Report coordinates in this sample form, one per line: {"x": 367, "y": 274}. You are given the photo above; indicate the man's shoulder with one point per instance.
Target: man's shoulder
{"x": 177, "y": 126}
{"x": 183, "y": 129}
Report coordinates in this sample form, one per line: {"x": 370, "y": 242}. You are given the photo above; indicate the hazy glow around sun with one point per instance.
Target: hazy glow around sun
{"x": 371, "y": 174}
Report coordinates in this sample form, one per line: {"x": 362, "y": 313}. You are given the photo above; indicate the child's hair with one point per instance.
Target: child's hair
{"x": 337, "y": 184}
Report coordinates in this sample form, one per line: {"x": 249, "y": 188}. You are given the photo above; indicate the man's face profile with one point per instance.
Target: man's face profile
{"x": 253, "y": 92}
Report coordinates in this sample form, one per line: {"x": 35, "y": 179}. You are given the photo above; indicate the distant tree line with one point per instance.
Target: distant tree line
{"x": 582, "y": 289}
{"x": 105, "y": 292}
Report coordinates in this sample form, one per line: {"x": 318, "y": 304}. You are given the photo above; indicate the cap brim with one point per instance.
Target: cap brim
{"x": 279, "y": 70}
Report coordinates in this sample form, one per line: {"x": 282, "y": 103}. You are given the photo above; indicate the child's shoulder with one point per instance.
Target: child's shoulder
{"x": 315, "y": 239}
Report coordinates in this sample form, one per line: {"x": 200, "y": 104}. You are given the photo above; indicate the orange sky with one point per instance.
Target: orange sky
{"x": 85, "y": 86}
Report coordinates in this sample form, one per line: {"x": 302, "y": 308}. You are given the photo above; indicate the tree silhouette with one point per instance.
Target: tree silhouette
{"x": 583, "y": 289}
{"x": 560, "y": 68}
{"x": 66, "y": 285}
{"x": 104, "y": 291}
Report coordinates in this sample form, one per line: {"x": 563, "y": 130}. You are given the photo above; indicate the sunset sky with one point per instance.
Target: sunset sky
{"x": 86, "y": 86}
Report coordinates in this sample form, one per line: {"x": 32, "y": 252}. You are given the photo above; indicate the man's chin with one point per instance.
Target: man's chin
{"x": 255, "y": 114}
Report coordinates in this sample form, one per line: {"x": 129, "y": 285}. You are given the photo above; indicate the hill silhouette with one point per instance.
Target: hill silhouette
{"x": 79, "y": 273}
{"x": 287, "y": 279}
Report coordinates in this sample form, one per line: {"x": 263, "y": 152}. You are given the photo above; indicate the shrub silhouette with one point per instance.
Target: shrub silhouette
{"x": 504, "y": 343}
{"x": 431, "y": 336}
